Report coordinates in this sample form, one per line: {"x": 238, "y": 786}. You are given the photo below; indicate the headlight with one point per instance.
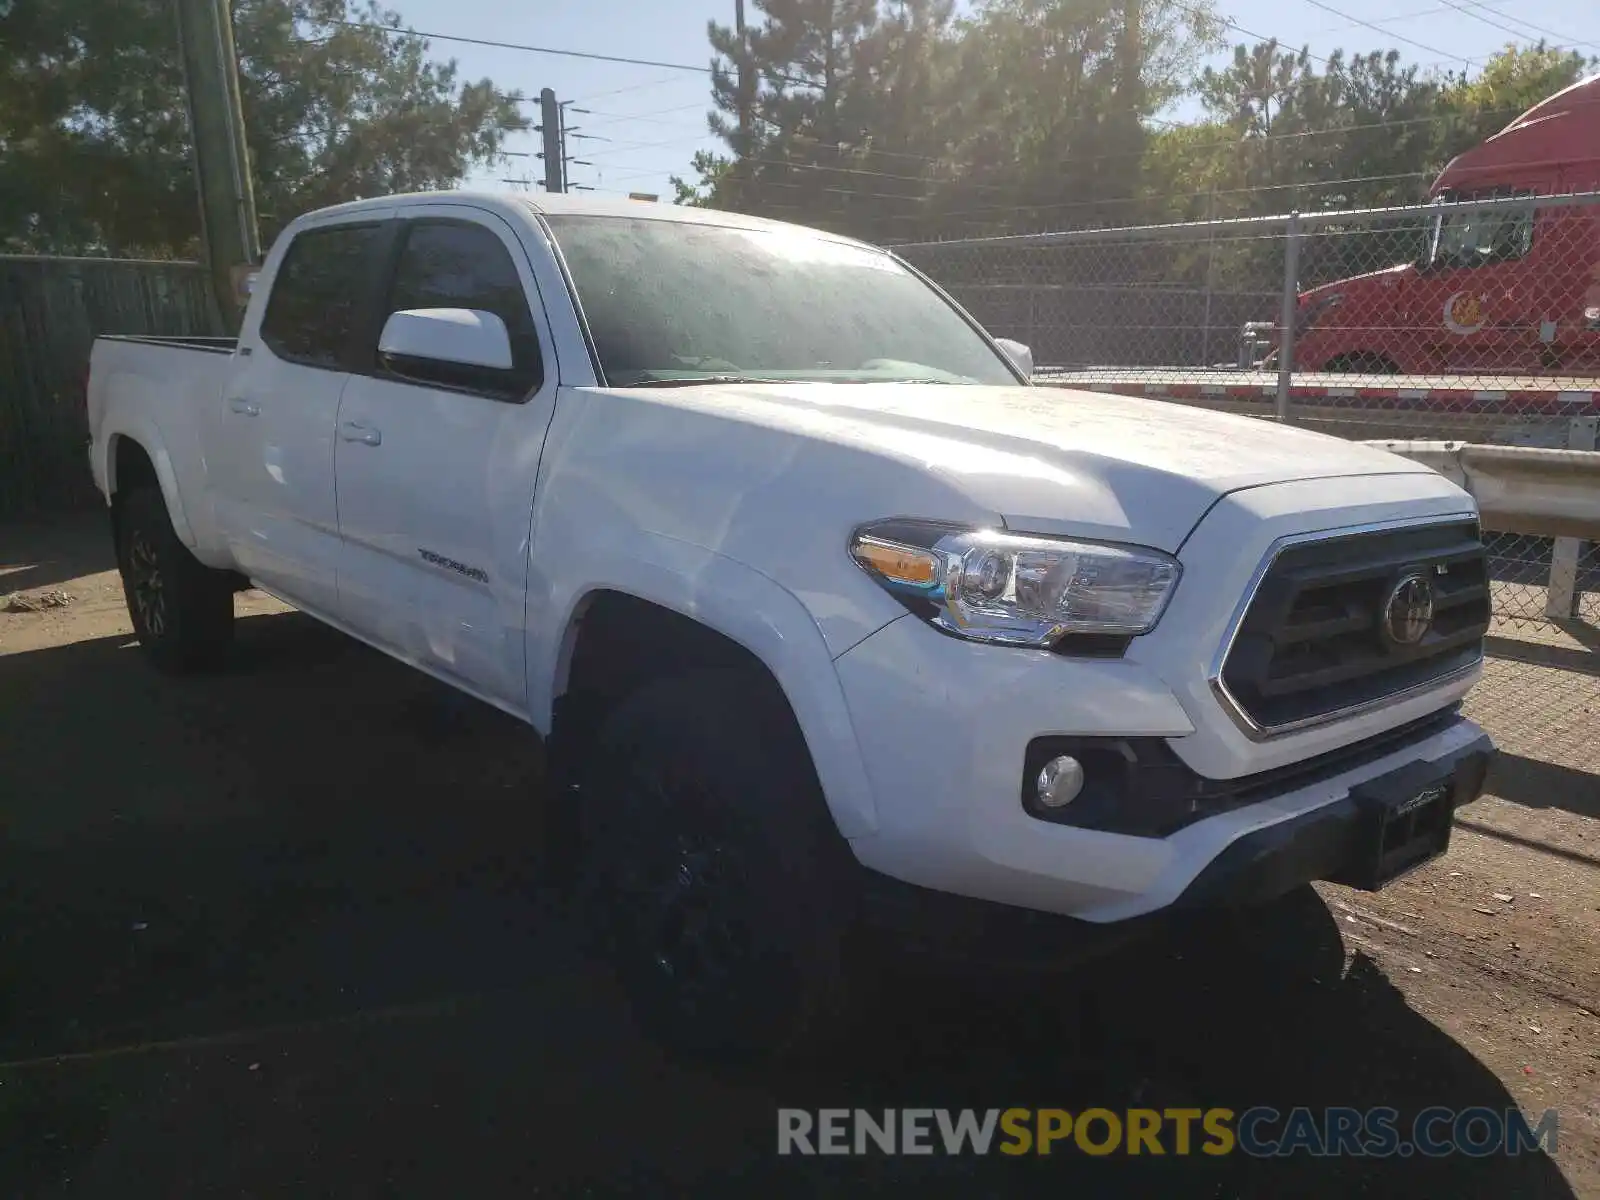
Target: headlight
{"x": 993, "y": 586}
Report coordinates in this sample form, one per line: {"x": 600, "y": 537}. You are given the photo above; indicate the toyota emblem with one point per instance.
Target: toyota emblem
{"x": 1408, "y": 610}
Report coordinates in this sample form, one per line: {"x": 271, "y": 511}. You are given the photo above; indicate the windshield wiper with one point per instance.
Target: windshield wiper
{"x": 697, "y": 380}
{"x": 913, "y": 379}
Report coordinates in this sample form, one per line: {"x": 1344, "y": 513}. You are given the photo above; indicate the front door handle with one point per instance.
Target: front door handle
{"x": 356, "y": 431}
{"x": 245, "y": 408}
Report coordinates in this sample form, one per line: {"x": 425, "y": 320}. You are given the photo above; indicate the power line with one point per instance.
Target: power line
{"x": 619, "y": 147}
{"x": 1394, "y": 20}
{"x": 1389, "y": 32}
{"x": 581, "y": 54}
{"x": 613, "y": 118}
{"x": 1227, "y": 138}
{"x": 589, "y": 55}
{"x": 1406, "y": 16}
{"x": 1468, "y": 10}
{"x": 493, "y": 43}
{"x": 632, "y": 87}
{"x": 499, "y": 45}
{"x": 1238, "y": 28}
{"x": 1222, "y": 142}
{"x": 1001, "y": 209}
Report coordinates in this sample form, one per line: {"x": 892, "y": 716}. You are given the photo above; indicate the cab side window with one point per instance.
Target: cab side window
{"x": 455, "y": 264}
{"x": 316, "y": 295}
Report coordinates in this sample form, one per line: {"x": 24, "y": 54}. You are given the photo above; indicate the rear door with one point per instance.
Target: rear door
{"x": 269, "y": 434}
{"x": 436, "y": 469}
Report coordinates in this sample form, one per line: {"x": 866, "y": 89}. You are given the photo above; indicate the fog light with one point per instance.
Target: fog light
{"x": 1060, "y": 781}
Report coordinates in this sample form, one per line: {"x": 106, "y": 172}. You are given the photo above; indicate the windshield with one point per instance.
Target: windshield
{"x": 1473, "y": 239}
{"x": 674, "y": 300}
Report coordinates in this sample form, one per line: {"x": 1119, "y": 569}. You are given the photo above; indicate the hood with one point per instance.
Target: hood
{"x": 1052, "y": 460}
{"x": 1368, "y": 281}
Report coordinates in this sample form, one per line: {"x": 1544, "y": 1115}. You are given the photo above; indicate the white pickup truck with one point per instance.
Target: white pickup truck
{"x": 830, "y": 620}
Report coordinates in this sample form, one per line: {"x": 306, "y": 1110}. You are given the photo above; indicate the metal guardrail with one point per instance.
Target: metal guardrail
{"x": 1526, "y": 490}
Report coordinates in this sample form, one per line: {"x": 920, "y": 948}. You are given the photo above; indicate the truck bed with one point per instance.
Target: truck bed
{"x": 211, "y": 345}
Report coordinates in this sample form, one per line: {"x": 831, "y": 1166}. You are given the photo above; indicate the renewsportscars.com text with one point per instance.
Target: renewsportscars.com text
{"x": 1260, "y": 1132}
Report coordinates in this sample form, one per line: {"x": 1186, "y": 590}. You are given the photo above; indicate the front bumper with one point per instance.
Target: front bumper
{"x": 944, "y": 726}
{"x": 1330, "y": 843}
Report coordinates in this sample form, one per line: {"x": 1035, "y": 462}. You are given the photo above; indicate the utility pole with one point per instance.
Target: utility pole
{"x": 555, "y": 167}
{"x": 743, "y": 82}
{"x": 221, "y": 159}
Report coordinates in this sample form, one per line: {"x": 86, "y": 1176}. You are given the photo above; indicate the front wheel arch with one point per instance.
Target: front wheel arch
{"x": 727, "y": 609}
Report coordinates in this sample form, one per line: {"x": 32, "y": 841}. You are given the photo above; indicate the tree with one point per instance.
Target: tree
{"x": 1362, "y": 131}
{"x": 1510, "y": 83}
{"x": 94, "y": 143}
{"x": 711, "y": 168}
{"x": 1052, "y": 104}
{"x": 892, "y": 120}
{"x": 805, "y": 73}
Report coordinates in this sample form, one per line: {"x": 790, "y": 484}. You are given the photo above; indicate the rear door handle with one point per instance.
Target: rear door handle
{"x": 356, "y": 431}
{"x": 246, "y": 408}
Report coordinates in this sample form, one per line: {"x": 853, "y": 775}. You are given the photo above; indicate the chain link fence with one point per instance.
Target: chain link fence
{"x": 1465, "y": 320}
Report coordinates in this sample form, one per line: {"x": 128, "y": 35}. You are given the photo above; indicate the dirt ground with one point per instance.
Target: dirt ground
{"x": 281, "y": 931}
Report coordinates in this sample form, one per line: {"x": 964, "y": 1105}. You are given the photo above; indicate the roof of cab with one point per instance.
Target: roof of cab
{"x": 1558, "y": 135}
{"x": 509, "y": 204}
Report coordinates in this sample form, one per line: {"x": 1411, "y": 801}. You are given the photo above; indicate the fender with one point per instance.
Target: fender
{"x": 144, "y": 431}
{"x": 736, "y": 601}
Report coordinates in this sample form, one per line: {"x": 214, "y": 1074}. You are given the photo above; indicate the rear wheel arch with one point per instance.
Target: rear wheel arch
{"x": 1363, "y": 362}
{"x": 136, "y": 458}
{"x": 130, "y": 466}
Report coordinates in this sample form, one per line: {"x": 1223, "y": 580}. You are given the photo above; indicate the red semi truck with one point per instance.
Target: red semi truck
{"x": 1512, "y": 289}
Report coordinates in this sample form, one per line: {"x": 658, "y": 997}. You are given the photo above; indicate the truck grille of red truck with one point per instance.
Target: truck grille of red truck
{"x": 1338, "y": 625}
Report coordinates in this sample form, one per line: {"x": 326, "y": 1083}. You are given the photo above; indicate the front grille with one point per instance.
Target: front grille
{"x": 1320, "y": 635}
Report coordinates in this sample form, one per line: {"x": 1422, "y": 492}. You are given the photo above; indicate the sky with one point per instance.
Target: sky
{"x": 645, "y": 122}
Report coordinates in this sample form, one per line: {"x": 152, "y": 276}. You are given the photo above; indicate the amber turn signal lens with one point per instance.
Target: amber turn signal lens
{"x": 896, "y": 562}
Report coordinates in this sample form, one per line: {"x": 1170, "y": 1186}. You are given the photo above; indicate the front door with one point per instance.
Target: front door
{"x": 1471, "y": 305}
{"x": 269, "y": 436}
{"x": 436, "y": 469}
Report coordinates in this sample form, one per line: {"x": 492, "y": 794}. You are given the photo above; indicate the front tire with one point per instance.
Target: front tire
{"x": 182, "y": 610}
{"x": 720, "y": 879}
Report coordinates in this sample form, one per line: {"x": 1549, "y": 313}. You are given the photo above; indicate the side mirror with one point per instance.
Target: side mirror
{"x": 1019, "y": 354}
{"x": 467, "y": 337}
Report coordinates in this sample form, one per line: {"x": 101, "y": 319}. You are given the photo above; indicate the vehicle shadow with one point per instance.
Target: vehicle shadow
{"x": 167, "y": 838}
{"x": 318, "y": 833}
{"x": 47, "y": 552}
{"x": 1534, "y": 783}
{"x": 1584, "y": 658}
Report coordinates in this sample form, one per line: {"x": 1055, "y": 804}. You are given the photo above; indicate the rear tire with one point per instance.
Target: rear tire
{"x": 721, "y": 884}
{"x": 1362, "y": 363}
{"x": 182, "y": 610}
